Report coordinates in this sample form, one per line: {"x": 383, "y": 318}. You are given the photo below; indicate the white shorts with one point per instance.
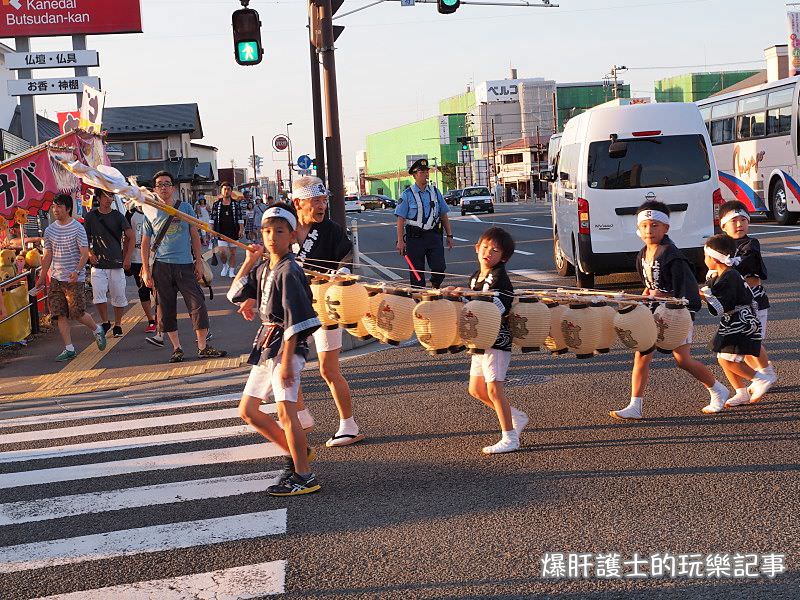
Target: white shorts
{"x": 224, "y": 244}
{"x": 730, "y": 357}
{"x": 326, "y": 340}
{"x": 762, "y": 318}
{"x": 109, "y": 284}
{"x": 491, "y": 365}
{"x": 265, "y": 379}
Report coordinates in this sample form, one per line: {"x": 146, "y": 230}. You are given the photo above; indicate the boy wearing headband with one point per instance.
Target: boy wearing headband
{"x": 276, "y": 289}
{"x": 665, "y": 272}
{"x": 735, "y": 221}
{"x": 739, "y": 333}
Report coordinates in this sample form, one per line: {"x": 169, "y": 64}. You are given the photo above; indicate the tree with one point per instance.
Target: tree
{"x": 448, "y": 171}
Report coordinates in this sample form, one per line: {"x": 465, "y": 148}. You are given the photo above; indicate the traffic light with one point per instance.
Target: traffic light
{"x": 464, "y": 141}
{"x": 247, "y": 37}
{"x": 446, "y": 7}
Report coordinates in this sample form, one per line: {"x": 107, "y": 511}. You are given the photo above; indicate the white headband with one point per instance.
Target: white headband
{"x": 733, "y": 214}
{"x": 652, "y": 215}
{"x": 723, "y": 258}
{"x": 277, "y": 211}
{"x": 309, "y": 191}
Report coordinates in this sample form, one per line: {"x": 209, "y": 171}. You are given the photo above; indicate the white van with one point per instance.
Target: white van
{"x": 662, "y": 152}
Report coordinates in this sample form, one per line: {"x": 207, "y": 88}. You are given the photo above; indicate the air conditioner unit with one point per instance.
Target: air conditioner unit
{"x": 173, "y": 156}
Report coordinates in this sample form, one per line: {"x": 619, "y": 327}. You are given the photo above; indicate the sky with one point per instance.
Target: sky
{"x": 394, "y": 63}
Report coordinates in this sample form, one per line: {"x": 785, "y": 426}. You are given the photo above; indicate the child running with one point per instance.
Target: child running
{"x": 487, "y": 372}
{"x": 734, "y": 219}
{"x": 739, "y": 334}
{"x": 665, "y": 271}
{"x": 277, "y": 290}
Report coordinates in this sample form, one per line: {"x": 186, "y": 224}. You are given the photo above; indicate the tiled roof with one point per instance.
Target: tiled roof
{"x": 159, "y": 118}
{"x": 47, "y": 129}
{"x": 182, "y": 170}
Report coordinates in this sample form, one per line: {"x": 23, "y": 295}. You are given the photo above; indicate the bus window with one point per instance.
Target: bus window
{"x": 723, "y": 110}
{"x": 779, "y": 121}
{"x": 722, "y": 130}
{"x": 753, "y": 103}
{"x": 752, "y": 126}
{"x": 780, "y": 97}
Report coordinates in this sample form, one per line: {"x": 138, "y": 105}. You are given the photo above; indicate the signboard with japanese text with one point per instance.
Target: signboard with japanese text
{"x": 52, "y": 60}
{"x": 444, "y": 130}
{"x": 793, "y": 18}
{"x": 52, "y": 85}
{"x": 92, "y": 109}
{"x": 35, "y": 18}
{"x": 25, "y": 183}
{"x": 68, "y": 121}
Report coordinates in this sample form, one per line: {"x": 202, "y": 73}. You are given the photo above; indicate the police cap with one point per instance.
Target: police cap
{"x": 420, "y": 163}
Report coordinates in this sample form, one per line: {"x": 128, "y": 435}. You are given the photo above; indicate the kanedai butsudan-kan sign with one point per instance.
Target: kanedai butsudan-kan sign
{"x": 39, "y": 18}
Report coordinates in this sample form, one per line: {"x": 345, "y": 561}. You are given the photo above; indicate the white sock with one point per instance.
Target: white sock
{"x": 635, "y": 403}
{"x": 347, "y": 427}
{"x": 510, "y": 436}
{"x": 718, "y": 388}
{"x": 742, "y": 392}
{"x": 69, "y": 347}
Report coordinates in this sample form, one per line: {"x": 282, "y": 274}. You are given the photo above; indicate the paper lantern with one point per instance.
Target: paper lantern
{"x": 435, "y": 323}
{"x": 370, "y": 318}
{"x": 33, "y": 258}
{"x": 479, "y": 324}
{"x": 636, "y": 328}
{"x": 346, "y": 302}
{"x": 555, "y": 341}
{"x": 673, "y": 321}
{"x": 359, "y": 331}
{"x": 529, "y": 321}
{"x": 319, "y": 288}
{"x": 395, "y": 317}
{"x": 605, "y": 315}
{"x": 457, "y": 344}
{"x": 581, "y": 331}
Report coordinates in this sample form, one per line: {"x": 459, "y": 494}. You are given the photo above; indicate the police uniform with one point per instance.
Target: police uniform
{"x": 423, "y": 212}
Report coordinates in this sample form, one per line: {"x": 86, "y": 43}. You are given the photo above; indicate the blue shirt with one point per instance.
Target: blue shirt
{"x": 407, "y": 207}
{"x": 176, "y": 247}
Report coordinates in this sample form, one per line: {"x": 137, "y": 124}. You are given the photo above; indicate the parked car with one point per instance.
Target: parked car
{"x": 374, "y": 201}
{"x": 353, "y": 204}
{"x": 388, "y": 202}
{"x": 476, "y": 199}
{"x": 453, "y": 197}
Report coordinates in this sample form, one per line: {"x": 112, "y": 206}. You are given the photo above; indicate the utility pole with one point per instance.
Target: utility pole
{"x": 493, "y": 172}
{"x": 289, "y": 149}
{"x": 614, "y": 70}
{"x": 255, "y": 163}
{"x": 316, "y": 100}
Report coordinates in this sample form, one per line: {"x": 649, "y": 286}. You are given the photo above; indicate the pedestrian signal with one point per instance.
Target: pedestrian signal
{"x": 446, "y": 7}
{"x": 464, "y": 141}
{"x": 247, "y": 37}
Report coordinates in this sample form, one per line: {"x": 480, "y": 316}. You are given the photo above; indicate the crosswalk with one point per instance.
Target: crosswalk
{"x": 69, "y": 483}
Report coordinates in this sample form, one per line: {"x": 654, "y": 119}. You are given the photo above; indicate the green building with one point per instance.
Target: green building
{"x": 574, "y": 98}
{"x": 388, "y": 152}
{"x": 692, "y": 87}
{"x": 460, "y": 104}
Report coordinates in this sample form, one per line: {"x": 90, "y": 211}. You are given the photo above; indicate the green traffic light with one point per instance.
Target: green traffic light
{"x": 248, "y": 52}
{"x": 450, "y": 3}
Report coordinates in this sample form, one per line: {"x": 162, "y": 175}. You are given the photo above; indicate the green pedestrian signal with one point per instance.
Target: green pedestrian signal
{"x": 464, "y": 141}
{"x": 447, "y": 7}
{"x": 247, "y": 37}
{"x": 247, "y": 53}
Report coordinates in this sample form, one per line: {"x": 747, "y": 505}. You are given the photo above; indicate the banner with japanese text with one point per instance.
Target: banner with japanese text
{"x": 793, "y": 19}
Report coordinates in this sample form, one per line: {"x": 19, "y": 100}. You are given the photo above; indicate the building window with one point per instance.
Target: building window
{"x": 127, "y": 150}
{"x": 148, "y": 151}
{"x": 512, "y": 158}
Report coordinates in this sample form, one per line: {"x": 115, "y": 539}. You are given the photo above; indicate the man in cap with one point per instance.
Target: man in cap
{"x": 421, "y": 217}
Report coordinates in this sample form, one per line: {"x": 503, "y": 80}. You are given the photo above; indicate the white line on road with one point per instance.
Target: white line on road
{"x": 793, "y": 247}
{"x": 156, "y": 538}
{"x": 523, "y": 252}
{"x": 376, "y": 265}
{"x": 77, "y": 414}
{"x": 138, "y": 465}
{"x": 43, "y": 509}
{"x": 460, "y": 239}
{"x": 248, "y": 581}
{"x": 779, "y": 232}
{"x": 536, "y": 275}
{"x": 147, "y": 423}
{"x": 477, "y": 220}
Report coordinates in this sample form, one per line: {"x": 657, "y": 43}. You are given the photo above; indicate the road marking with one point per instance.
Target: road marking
{"x": 523, "y": 252}
{"x": 519, "y": 219}
{"x": 793, "y": 247}
{"x": 43, "y": 509}
{"x": 460, "y": 239}
{"x": 138, "y": 465}
{"x": 249, "y": 581}
{"x": 75, "y": 415}
{"x": 376, "y": 265}
{"x": 782, "y": 231}
{"x": 156, "y": 538}
{"x": 536, "y": 275}
{"x": 477, "y": 220}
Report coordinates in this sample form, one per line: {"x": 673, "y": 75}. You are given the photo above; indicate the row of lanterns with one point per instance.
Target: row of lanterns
{"x": 446, "y": 324}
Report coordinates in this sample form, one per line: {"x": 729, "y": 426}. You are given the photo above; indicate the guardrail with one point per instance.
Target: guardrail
{"x": 33, "y": 303}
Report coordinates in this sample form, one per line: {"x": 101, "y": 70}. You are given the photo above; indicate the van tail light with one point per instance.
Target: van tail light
{"x": 717, "y": 201}
{"x": 651, "y": 133}
{"x": 583, "y": 215}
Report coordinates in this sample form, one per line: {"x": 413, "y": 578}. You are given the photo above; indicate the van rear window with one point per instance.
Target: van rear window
{"x": 649, "y": 162}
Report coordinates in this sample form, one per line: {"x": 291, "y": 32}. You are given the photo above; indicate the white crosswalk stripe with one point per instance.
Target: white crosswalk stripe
{"x": 41, "y": 471}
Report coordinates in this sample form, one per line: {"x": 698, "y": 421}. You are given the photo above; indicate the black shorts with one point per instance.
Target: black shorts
{"x": 144, "y": 291}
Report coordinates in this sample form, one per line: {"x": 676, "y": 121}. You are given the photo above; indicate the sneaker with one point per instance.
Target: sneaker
{"x": 627, "y": 413}
{"x": 209, "y": 336}
{"x": 502, "y": 447}
{"x": 156, "y": 340}
{"x": 100, "y": 339}
{"x": 288, "y": 464}
{"x": 519, "y": 420}
{"x": 177, "y": 356}
{"x": 718, "y": 400}
{"x": 66, "y": 355}
{"x": 295, "y": 485}
{"x": 224, "y": 272}
{"x": 761, "y": 384}
{"x": 738, "y": 399}
{"x": 232, "y": 272}
{"x": 116, "y": 331}
{"x": 151, "y": 327}
{"x": 106, "y": 327}
{"x": 211, "y": 352}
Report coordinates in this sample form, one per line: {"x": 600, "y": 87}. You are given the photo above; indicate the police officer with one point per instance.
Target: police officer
{"x": 421, "y": 217}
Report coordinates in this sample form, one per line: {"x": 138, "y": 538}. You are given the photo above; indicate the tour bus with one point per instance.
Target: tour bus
{"x": 613, "y": 158}
{"x": 754, "y": 135}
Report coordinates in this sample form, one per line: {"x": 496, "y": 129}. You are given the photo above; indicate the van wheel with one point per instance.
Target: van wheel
{"x": 491, "y": 210}
{"x": 779, "y": 206}
{"x": 463, "y": 212}
{"x": 563, "y": 267}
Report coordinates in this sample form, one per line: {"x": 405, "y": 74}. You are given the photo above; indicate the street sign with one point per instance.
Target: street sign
{"x": 444, "y": 130}
{"x": 406, "y": 2}
{"x": 304, "y": 162}
{"x": 32, "y": 18}
{"x": 280, "y": 142}
{"x": 92, "y": 109}
{"x": 52, "y": 60}
{"x": 52, "y": 85}
{"x": 304, "y": 172}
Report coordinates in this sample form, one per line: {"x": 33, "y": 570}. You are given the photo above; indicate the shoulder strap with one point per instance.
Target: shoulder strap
{"x": 108, "y": 229}
{"x": 163, "y": 231}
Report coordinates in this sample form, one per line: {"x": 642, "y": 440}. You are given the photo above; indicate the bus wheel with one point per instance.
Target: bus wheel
{"x": 563, "y": 268}
{"x": 779, "y": 206}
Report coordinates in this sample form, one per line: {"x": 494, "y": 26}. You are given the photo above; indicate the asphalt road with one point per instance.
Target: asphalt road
{"x": 416, "y": 511}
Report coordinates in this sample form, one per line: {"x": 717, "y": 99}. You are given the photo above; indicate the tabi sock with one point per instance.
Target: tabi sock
{"x": 347, "y": 427}
{"x": 510, "y": 436}
{"x": 717, "y": 388}
{"x": 635, "y": 403}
